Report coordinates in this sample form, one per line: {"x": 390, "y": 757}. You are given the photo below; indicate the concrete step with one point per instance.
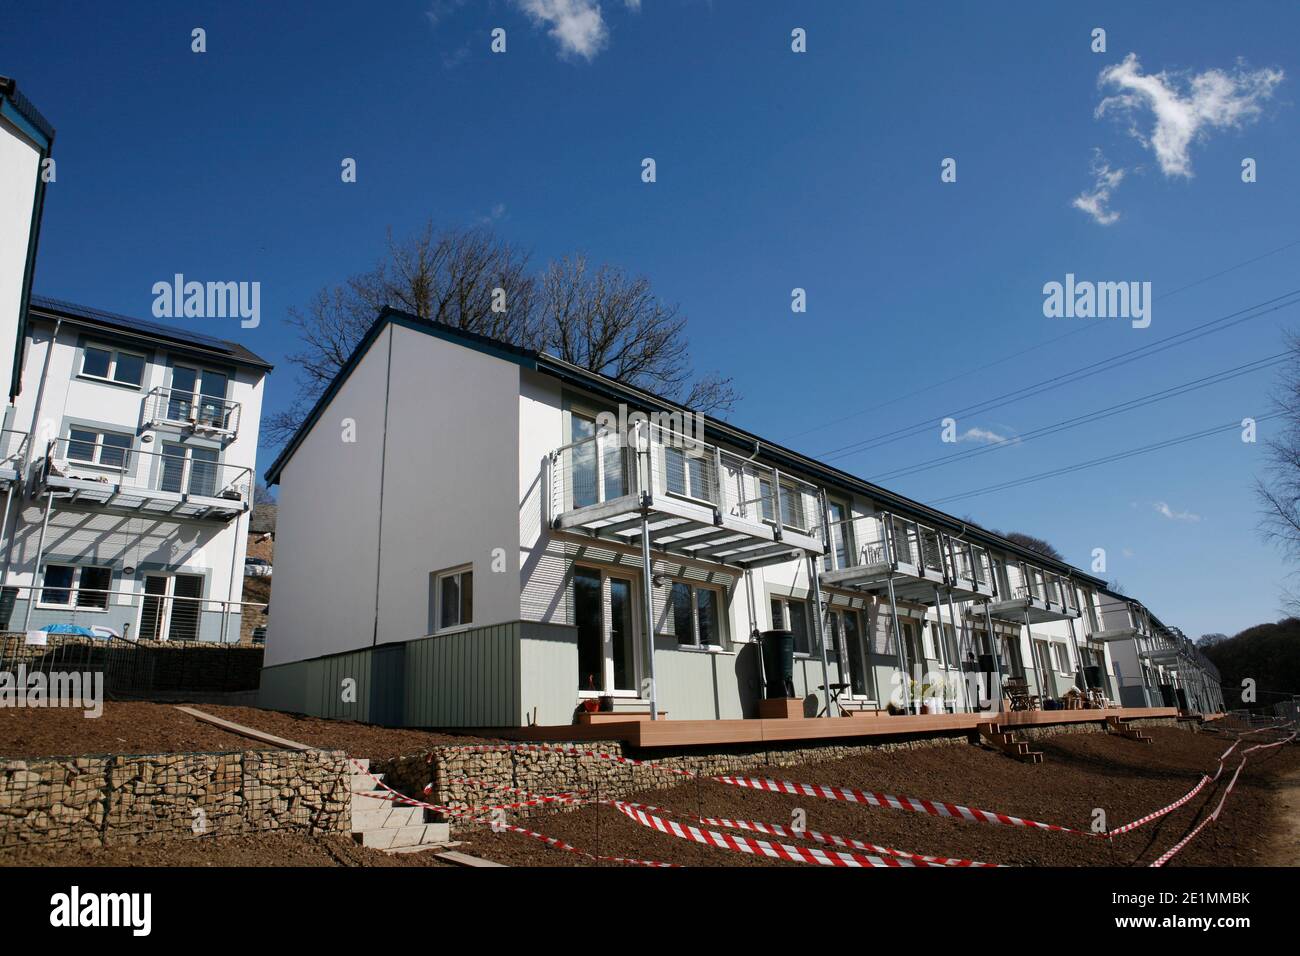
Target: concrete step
{"x": 359, "y": 783}
{"x": 363, "y": 801}
{"x": 391, "y": 838}
{"x": 386, "y": 818}
{"x": 359, "y": 762}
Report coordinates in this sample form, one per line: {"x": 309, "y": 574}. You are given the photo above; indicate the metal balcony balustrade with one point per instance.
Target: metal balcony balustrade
{"x": 1041, "y": 597}
{"x": 866, "y": 550}
{"x": 189, "y": 484}
{"x": 13, "y": 454}
{"x": 704, "y": 502}
{"x": 191, "y": 411}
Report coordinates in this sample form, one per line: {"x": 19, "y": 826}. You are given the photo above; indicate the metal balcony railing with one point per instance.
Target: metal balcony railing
{"x": 607, "y": 467}
{"x": 189, "y": 410}
{"x": 13, "y": 451}
{"x": 193, "y": 472}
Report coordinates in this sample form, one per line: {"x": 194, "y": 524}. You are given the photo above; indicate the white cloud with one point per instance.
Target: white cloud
{"x": 986, "y": 436}
{"x": 1164, "y": 509}
{"x": 576, "y": 25}
{"x": 1096, "y": 203}
{"x": 1185, "y": 106}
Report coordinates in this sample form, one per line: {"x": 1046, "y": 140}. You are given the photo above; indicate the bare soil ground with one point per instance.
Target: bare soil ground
{"x": 124, "y": 728}
{"x": 141, "y": 727}
{"x": 359, "y": 740}
{"x": 1081, "y": 772}
{"x": 267, "y": 849}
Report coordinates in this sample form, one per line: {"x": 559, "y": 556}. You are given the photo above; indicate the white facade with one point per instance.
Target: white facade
{"x": 131, "y": 496}
{"x": 437, "y": 509}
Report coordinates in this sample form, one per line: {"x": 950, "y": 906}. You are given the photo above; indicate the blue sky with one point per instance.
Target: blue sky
{"x": 775, "y": 170}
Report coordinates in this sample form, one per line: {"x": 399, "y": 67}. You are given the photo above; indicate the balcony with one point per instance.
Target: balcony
{"x": 703, "y": 502}
{"x": 193, "y": 484}
{"x": 1043, "y": 599}
{"x": 192, "y": 413}
{"x": 13, "y": 455}
{"x": 970, "y": 571}
{"x": 870, "y": 549}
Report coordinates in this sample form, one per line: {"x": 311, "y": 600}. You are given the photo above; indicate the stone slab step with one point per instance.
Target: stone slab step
{"x": 386, "y": 838}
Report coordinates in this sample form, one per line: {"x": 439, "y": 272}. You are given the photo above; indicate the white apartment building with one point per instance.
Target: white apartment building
{"x": 495, "y": 556}
{"x": 128, "y": 462}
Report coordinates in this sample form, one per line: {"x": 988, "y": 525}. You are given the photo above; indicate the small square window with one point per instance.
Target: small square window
{"x": 58, "y": 584}
{"x": 455, "y": 597}
{"x": 129, "y": 369}
{"x": 96, "y": 362}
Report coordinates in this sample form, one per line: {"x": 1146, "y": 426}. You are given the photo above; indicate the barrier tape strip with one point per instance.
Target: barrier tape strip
{"x": 1214, "y": 815}
{"x": 1205, "y": 779}
{"x": 776, "y": 851}
{"x": 498, "y": 825}
{"x": 932, "y": 807}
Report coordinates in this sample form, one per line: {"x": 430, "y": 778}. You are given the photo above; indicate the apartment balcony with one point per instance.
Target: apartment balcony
{"x": 867, "y": 551}
{"x": 970, "y": 571}
{"x": 1036, "y": 604}
{"x": 13, "y": 455}
{"x": 192, "y": 413}
{"x": 703, "y": 502}
{"x": 191, "y": 485}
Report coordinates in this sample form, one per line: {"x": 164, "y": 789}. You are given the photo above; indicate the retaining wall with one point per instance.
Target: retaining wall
{"x": 132, "y": 798}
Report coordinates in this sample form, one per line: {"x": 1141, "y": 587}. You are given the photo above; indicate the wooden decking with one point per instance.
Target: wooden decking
{"x": 694, "y": 733}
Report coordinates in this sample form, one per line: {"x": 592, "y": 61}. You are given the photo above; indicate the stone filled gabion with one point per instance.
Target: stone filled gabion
{"x": 544, "y": 772}
{"x": 133, "y": 798}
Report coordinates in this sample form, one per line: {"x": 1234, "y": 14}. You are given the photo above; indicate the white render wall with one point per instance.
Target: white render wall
{"x": 449, "y": 498}
{"x": 19, "y": 169}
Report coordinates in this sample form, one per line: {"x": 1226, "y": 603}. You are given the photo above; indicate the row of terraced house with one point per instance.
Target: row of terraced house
{"x": 473, "y": 534}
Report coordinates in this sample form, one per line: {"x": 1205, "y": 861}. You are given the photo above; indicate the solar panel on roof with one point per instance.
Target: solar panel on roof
{"x": 127, "y": 322}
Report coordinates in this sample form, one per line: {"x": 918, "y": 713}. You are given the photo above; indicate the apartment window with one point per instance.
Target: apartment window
{"x": 112, "y": 365}
{"x": 198, "y": 395}
{"x": 1062, "y": 658}
{"x": 792, "y": 614}
{"x": 688, "y": 473}
{"x": 97, "y": 447}
{"x": 792, "y": 515}
{"x": 192, "y": 469}
{"x": 454, "y": 598}
{"x": 696, "y": 615}
{"x": 66, "y": 585}
{"x": 841, "y": 533}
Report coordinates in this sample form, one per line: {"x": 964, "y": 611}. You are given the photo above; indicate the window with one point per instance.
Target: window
{"x": 454, "y": 597}
{"x": 695, "y": 615}
{"x": 1062, "y": 658}
{"x": 688, "y": 473}
{"x": 99, "y": 447}
{"x": 792, "y": 515}
{"x": 112, "y": 365}
{"x": 792, "y": 614}
{"x": 841, "y": 534}
{"x": 198, "y": 395}
{"x": 67, "y": 585}
{"x": 189, "y": 468}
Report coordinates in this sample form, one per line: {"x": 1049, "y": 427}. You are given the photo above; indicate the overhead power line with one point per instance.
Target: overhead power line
{"x": 1085, "y": 419}
{"x": 1104, "y": 460}
{"x": 1118, "y": 360}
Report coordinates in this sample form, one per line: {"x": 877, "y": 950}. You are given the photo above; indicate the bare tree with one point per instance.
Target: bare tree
{"x": 612, "y": 323}
{"x": 1031, "y": 543}
{"x": 471, "y": 279}
{"x": 1278, "y": 488}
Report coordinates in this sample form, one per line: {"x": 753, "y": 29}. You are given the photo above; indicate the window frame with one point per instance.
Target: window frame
{"x": 114, "y": 353}
{"x": 97, "y": 460}
{"x": 694, "y": 588}
{"x": 785, "y": 601}
{"x": 436, "y": 580}
{"x": 74, "y": 588}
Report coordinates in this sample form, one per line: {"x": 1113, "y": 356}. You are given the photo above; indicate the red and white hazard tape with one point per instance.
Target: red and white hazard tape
{"x": 1214, "y": 815}
{"x": 531, "y": 799}
{"x": 508, "y": 827}
{"x": 776, "y": 851}
{"x": 932, "y": 807}
{"x": 1156, "y": 815}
